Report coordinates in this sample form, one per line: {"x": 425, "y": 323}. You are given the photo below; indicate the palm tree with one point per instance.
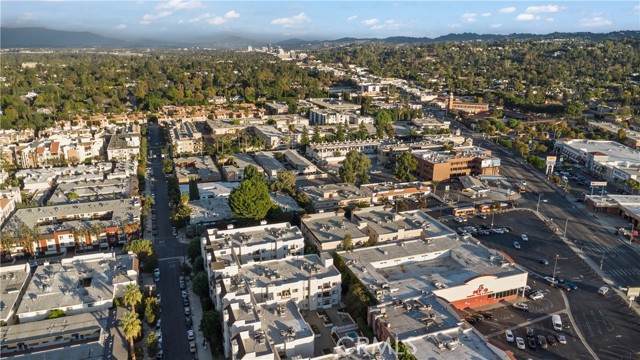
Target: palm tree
{"x": 132, "y": 296}
{"x": 131, "y": 327}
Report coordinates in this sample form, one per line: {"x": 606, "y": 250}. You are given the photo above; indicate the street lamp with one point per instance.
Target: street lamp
{"x": 493, "y": 215}
{"x": 565, "y": 227}
{"x": 538, "y": 206}
{"x": 555, "y": 265}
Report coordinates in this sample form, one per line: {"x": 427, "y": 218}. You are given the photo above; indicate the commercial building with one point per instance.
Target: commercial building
{"x": 464, "y": 274}
{"x": 329, "y": 117}
{"x": 103, "y": 223}
{"x": 123, "y": 146}
{"x": 607, "y": 159}
{"x": 464, "y": 160}
{"x": 185, "y": 138}
{"x": 626, "y": 206}
{"x": 276, "y": 108}
{"x": 334, "y": 104}
{"x": 299, "y": 164}
{"x": 631, "y": 137}
{"x": 387, "y": 153}
{"x": 331, "y": 197}
{"x": 468, "y": 107}
{"x": 430, "y": 123}
{"x": 269, "y": 163}
{"x": 77, "y": 285}
{"x": 197, "y": 168}
{"x": 272, "y": 137}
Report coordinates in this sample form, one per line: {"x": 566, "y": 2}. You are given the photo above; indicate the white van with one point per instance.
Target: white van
{"x": 603, "y": 290}
{"x": 557, "y": 322}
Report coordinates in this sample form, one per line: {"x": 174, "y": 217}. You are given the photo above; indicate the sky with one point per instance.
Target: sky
{"x": 314, "y": 20}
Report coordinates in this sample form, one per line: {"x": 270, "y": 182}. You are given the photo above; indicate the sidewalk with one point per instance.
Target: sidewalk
{"x": 196, "y": 315}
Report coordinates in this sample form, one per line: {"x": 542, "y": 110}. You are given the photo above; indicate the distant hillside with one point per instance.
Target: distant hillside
{"x": 42, "y": 37}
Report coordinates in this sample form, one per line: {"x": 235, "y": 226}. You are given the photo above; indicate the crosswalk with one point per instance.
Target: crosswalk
{"x": 603, "y": 249}
{"x": 624, "y": 272}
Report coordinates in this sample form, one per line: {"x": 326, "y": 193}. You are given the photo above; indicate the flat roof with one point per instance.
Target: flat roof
{"x": 266, "y": 160}
{"x": 210, "y": 210}
{"x": 336, "y": 192}
{"x": 423, "y": 261}
{"x": 12, "y": 279}
{"x": 91, "y": 190}
{"x": 79, "y": 280}
{"x": 78, "y": 215}
{"x": 296, "y": 159}
{"x": 617, "y": 153}
{"x": 284, "y": 271}
{"x": 461, "y": 152}
{"x": 286, "y": 324}
{"x": 30, "y": 331}
{"x": 635, "y": 135}
{"x": 330, "y": 227}
{"x": 254, "y": 235}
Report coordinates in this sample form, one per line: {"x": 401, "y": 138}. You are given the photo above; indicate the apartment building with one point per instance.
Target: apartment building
{"x": 299, "y": 163}
{"x": 14, "y": 280}
{"x": 272, "y": 137}
{"x": 331, "y": 197}
{"x": 269, "y": 163}
{"x": 94, "y": 190}
{"x": 123, "y": 146}
{"x": 463, "y": 160}
{"x": 235, "y": 170}
{"x": 91, "y": 224}
{"x": 329, "y": 117}
{"x": 77, "y": 285}
{"x": 185, "y": 138}
{"x": 334, "y": 104}
{"x": 9, "y": 199}
{"x": 631, "y": 138}
{"x": 10, "y": 136}
{"x": 325, "y": 231}
{"x": 334, "y": 153}
{"x": 276, "y": 108}
{"x": 198, "y": 168}
{"x": 390, "y": 191}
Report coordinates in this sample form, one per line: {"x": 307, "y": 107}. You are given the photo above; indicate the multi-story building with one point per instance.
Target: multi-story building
{"x": 472, "y": 108}
{"x": 631, "y": 137}
{"x": 269, "y": 163}
{"x": 331, "y": 197}
{"x": 8, "y": 200}
{"x": 123, "y": 146}
{"x": 326, "y": 231}
{"x": 336, "y": 152}
{"x": 185, "y": 138}
{"x": 463, "y": 160}
{"x": 299, "y": 163}
{"x": 198, "y": 168}
{"x": 49, "y": 229}
{"x": 390, "y": 191}
{"x": 334, "y": 104}
{"x": 14, "y": 280}
{"x": 77, "y": 285}
{"x": 329, "y": 117}
{"x": 272, "y": 137}
{"x": 235, "y": 171}
{"x": 94, "y": 190}
{"x": 276, "y": 108}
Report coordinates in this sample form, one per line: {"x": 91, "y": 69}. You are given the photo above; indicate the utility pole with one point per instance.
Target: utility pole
{"x": 538, "y": 206}
{"x": 602, "y": 261}
{"x": 565, "y": 227}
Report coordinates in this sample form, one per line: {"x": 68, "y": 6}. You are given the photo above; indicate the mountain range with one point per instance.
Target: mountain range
{"x": 38, "y": 37}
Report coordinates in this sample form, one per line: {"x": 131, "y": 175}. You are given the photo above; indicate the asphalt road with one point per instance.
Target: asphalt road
{"x": 607, "y": 324}
{"x": 171, "y": 252}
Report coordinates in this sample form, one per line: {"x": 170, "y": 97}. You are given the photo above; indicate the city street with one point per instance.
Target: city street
{"x": 607, "y": 323}
{"x": 171, "y": 252}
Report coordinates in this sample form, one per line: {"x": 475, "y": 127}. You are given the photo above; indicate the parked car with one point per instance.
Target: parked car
{"x": 524, "y": 237}
{"x": 509, "y": 335}
{"x": 191, "y": 335}
{"x": 187, "y": 311}
{"x": 536, "y": 296}
{"x": 521, "y": 306}
{"x": 192, "y": 347}
{"x": 542, "y": 341}
{"x": 520, "y": 343}
{"x": 185, "y": 294}
{"x": 563, "y": 287}
{"x": 550, "y": 280}
{"x": 159, "y": 324}
{"x": 478, "y": 317}
{"x": 516, "y": 245}
{"x": 543, "y": 261}
{"x": 532, "y": 342}
{"x": 486, "y": 314}
{"x": 530, "y": 331}
{"x": 183, "y": 285}
{"x": 551, "y": 340}
{"x": 188, "y": 321}
{"x": 471, "y": 320}
{"x": 603, "y": 290}
{"x": 561, "y": 338}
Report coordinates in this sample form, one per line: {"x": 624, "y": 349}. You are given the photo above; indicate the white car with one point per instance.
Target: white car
{"x": 561, "y": 339}
{"x": 550, "y": 280}
{"x": 524, "y": 237}
{"x": 516, "y": 245}
{"x": 509, "y": 335}
{"x": 603, "y": 290}
{"x": 536, "y": 296}
{"x": 458, "y": 219}
{"x": 520, "y": 343}
{"x": 521, "y": 306}
{"x": 191, "y": 335}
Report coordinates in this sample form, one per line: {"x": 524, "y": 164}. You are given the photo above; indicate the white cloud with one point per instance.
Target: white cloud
{"x": 550, "y": 19}
{"x": 148, "y": 18}
{"x": 120, "y": 26}
{"x": 470, "y": 17}
{"x": 370, "y": 22}
{"x": 387, "y": 25}
{"x": 637, "y": 9}
{"x": 596, "y": 21}
{"x": 25, "y": 17}
{"x": 508, "y": 10}
{"x": 527, "y": 17}
{"x": 454, "y": 25}
{"x": 351, "y": 18}
{"x": 292, "y": 21}
{"x": 179, "y": 5}
{"x": 215, "y": 20}
{"x": 543, "y": 9}
{"x": 231, "y": 15}
{"x": 495, "y": 26}
{"x": 487, "y": 14}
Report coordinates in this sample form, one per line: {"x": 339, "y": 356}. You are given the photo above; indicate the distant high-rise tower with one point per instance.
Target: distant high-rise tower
{"x": 450, "y": 105}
